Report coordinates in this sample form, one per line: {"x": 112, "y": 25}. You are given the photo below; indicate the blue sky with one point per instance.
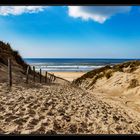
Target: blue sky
{"x": 72, "y": 32}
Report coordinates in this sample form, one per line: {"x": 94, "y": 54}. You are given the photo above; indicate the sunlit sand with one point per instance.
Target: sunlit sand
{"x": 70, "y": 76}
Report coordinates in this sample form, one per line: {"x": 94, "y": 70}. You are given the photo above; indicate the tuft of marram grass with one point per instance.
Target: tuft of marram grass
{"x": 108, "y": 74}
{"x": 133, "y": 83}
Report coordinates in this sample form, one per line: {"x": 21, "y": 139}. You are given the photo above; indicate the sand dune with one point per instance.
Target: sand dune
{"x": 122, "y": 87}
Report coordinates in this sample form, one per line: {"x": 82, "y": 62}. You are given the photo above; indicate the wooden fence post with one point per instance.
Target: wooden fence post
{"x": 27, "y": 75}
{"x": 34, "y": 73}
{"x": 9, "y": 73}
{"x": 54, "y": 78}
{"x": 40, "y": 75}
{"x": 51, "y": 78}
{"x": 46, "y": 77}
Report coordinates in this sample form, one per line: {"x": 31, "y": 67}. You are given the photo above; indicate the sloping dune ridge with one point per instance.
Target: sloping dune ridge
{"x": 103, "y": 101}
{"x": 120, "y": 83}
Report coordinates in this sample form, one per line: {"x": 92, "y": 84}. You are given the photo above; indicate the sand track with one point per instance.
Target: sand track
{"x": 61, "y": 109}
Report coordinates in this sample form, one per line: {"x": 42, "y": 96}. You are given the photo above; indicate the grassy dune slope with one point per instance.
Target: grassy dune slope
{"x": 120, "y": 83}
{"x": 18, "y": 65}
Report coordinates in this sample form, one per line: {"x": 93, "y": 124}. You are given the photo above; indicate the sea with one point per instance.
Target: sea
{"x": 72, "y": 64}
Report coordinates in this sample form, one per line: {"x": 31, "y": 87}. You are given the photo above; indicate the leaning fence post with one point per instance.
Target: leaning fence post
{"x": 46, "y": 77}
{"x": 27, "y": 74}
{"x": 54, "y": 78}
{"x": 9, "y": 73}
{"x": 40, "y": 75}
{"x": 34, "y": 73}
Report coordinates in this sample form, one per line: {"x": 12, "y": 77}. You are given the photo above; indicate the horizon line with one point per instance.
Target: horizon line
{"x": 73, "y": 58}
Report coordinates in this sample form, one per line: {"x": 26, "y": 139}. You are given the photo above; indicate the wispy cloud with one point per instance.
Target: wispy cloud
{"x": 18, "y": 10}
{"x": 96, "y": 13}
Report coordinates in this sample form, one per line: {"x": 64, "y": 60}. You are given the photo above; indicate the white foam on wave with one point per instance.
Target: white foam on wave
{"x": 66, "y": 68}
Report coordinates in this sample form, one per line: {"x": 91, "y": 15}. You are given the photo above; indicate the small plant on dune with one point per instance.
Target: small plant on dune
{"x": 96, "y": 77}
{"x": 118, "y": 68}
{"x": 108, "y": 74}
{"x": 18, "y": 57}
{"x": 132, "y": 64}
{"x": 133, "y": 83}
{"x": 133, "y": 69}
{"x": 91, "y": 74}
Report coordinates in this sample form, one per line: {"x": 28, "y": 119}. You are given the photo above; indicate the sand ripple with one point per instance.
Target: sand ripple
{"x": 61, "y": 109}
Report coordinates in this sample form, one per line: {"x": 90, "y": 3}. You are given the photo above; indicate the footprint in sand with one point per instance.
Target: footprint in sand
{"x": 39, "y": 130}
{"x": 72, "y": 129}
{"x": 31, "y": 112}
{"x": 2, "y": 131}
{"x": 20, "y": 121}
{"x": 31, "y": 123}
{"x": 11, "y": 118}
{"x": 34, "y": 121}
{"x": 51, "y": 132}
{"x": 19, "y": 113}
{"x": 2, "y": 108}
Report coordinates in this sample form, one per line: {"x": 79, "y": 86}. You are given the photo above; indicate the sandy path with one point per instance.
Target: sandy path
{"x": 70, "y": 76}
{"x": 61, "y": 109}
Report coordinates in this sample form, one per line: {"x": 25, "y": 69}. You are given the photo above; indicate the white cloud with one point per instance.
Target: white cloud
{"x": 97, "y": 13}
{"x": 18, "y": 10}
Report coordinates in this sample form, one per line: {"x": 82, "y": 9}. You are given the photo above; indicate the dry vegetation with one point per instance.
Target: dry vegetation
{"x": 107, "y": 72}
{"x": 7, "y": 52}
{"x": 97, "y": 73}
{"x": 133, "y": 83}
{"x": 19, "y": 66}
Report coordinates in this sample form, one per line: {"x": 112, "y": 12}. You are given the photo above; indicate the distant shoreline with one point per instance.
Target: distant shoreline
{"x": 71, "y": 64}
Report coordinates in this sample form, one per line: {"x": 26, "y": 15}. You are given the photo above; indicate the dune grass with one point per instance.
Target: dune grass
{"x": 107, "y": 72}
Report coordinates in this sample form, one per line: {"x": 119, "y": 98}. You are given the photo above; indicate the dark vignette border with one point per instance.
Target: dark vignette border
{"x": 69, "y": 2}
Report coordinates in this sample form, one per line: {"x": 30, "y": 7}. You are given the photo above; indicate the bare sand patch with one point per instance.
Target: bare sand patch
{"x": 62, "y": 109}
{"x": 70, "y": 76}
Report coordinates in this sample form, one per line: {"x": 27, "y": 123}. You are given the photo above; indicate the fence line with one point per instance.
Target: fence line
{"x": 49, "y": 79}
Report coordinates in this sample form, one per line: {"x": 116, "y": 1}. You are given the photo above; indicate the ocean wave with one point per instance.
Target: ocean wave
{"x": 66, "y": 68}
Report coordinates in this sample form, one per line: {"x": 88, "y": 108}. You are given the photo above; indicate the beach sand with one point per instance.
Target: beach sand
{"x": 62, "y": 109}
{"x": 70, "y": 76}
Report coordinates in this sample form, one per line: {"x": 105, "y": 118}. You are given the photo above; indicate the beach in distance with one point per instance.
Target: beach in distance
{"x": 71, "y": 68}
{"x": 70, "y": 76}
